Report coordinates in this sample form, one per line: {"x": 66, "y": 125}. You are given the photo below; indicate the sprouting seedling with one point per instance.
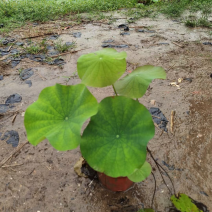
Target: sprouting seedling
{"x": 69, "y": 77}
{"x": 20, "y": 70}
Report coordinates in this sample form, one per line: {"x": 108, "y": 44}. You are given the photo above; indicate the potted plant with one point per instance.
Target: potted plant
{"x": 114, "y": 143}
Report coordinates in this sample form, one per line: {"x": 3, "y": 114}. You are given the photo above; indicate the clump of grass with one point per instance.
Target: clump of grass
{"x": 136, "y": 14}
{"x": 201, "y": 22}
{"x": 36, "y": 48}
{"x": 33, "y": 49}
{"x": 175, "y": 8}
{"x": 14, "y": 13}
{"x": 190, "y": 23}
{"x": 61, "y": 47}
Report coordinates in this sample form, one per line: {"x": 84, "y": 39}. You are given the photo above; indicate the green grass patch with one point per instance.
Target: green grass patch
{"x": 63, "y": 47}
{"x": 15, "y": 13}
{"x": 177, "y": 7}
{"x": 40, "y": 47}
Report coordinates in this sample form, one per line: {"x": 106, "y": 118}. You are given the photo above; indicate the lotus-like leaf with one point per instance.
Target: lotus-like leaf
{"x": 101, "y": 68}
{"x": 184, "y": 203}
{"x": 142, "y": 173}
{"x": 115, "y": 140}
{"x": 136, "y": 83}
{"x": 146, "y": 210}
{"x": 59, "y": 114}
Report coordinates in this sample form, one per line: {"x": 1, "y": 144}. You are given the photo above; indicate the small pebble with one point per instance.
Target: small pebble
{"x": 152, "y": 102}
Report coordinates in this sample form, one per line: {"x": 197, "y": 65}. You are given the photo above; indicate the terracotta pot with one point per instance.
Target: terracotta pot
{"x": 115, "y": 184}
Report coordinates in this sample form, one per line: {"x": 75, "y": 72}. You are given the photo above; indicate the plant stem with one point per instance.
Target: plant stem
{"x": 154, "y": 190}
{"x": 114, "y": 90}
{"x": 136, "y": 100}
{"x": 159, "y": 166}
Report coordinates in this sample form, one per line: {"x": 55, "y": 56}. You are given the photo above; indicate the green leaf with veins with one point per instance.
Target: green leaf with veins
{"x": 136, "y": 83}
{"x": 59, "y": 114}
{"x": 184, "y": 203}
{"x": 101, "y": 68}
{"x": 142, "y": 173}
{"x": 115, "y": 140}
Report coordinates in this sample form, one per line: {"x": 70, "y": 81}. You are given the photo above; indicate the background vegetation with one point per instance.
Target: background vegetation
{"x": 14, "y": 13}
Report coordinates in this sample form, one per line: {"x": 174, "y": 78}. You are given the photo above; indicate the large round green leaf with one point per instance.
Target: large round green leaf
{"x": 136, "y": 83}
{"x": 115, "y": 140}
{"x": 184, "y": 203}
{"x": 141, "y": 174}
{"x": 59, "y": 114}
{"x": 146, "y": 210}
{"x": 101, "y": 68}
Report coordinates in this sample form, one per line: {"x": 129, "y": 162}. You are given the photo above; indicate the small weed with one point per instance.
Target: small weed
{"x": 20, "y": 70}
{"x": 194, "y": 22}
{"x": 63, "y": 47}
{"x": 36, "y": 48}
{"x": 203, "y": 22}
{"x": 48, "y": 59}
{"x": 69, "y": 77}
{"x": 17, "y": 55}
{"x": 101, "y": 16}
{"x": 173, "y": 9}
{"x": 210, "y": 33}
{"x": 33, "y": 49}
{"x": 78, "y": 18}
{"x": 136, "y": 14}
{"x": 44, "y": 45}
{"x": 190, "y": 23}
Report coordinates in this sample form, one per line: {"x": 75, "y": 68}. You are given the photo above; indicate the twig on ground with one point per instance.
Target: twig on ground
{"x": 36, "y": 36}
{"x": 171, "y": 67}
{"x": 41, "y": 76}
{"x": 157, "y": 126}
{"x": 178, "y": 44}
{"x": 137, "y": 27}
{"x": 159, "y": 170}
{"x": 118, "y": 18}
{"x": 172, "y": 121}
{"x": 31, "y": 171}
{"x": 161, "y": 133}
{"x": 156, "y": 117}
{"x": 159, "y": 166}
{"x": 67, "y": 53}
{"x": 153, "y": 197}
{"x": 12, "y": 165}
{"x": 12, "y": 153}
{"x": 3, "y": 58}
{"x": 14, "y": 117}
{"x": 10, "y": 48}
{"x": 89, "y": 185}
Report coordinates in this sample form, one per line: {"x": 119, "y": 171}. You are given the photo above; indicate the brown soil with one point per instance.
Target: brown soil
{"x": 45, "y": 181}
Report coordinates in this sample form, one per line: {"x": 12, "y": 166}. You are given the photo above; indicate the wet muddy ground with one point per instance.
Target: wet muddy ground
{"x": 43, "y": 179}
